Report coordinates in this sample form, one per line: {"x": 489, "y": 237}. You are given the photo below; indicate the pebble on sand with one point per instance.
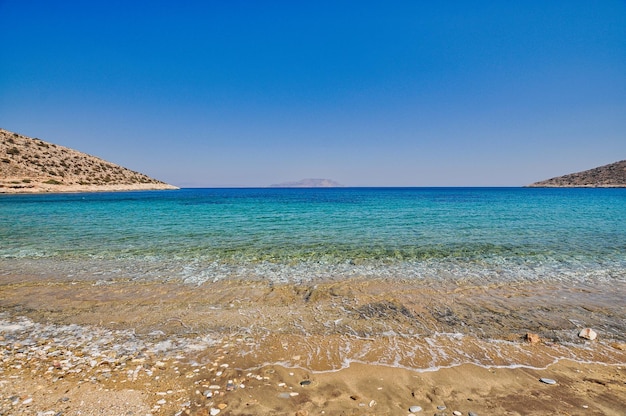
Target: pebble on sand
{"x": 532, "y": 338}
{"x": 415, "y": 409}
{"x": 547, "y": 380}
{"x": 588, "y": 333}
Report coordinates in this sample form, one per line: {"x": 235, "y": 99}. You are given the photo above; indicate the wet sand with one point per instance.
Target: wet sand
{"x": 176, "y": 388}
{"x": 338, "y": 347}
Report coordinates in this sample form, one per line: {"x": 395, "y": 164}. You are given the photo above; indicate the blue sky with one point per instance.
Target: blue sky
{"x": 251, "y": 93}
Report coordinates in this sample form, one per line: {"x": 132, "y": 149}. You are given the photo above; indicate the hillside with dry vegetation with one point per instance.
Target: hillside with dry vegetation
{"x": 608, "y": 176}
{"x": 30, "y": 165}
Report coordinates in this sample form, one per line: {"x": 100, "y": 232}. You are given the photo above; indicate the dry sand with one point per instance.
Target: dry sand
{"x": 590, "y": 389}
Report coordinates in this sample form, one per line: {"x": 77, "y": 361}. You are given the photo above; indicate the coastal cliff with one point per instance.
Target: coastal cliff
{"x": 30, "y": 165}
{"x": 608, "y": 176}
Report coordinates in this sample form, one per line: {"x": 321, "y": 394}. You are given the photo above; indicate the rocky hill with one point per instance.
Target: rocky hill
{"x": 607, "y": 176}
{"x": 308, "y": 183}
{"x": 30, "y": 165}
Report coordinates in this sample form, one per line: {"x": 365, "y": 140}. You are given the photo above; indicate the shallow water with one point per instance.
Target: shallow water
{"x": 417, "y": 278}
{"x": 321, "y": 327}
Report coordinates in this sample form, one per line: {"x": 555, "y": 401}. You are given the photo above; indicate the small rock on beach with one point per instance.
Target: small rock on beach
{"x": 588, "y": 333}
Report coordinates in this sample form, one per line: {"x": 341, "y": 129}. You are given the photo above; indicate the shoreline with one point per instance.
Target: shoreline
{"x": 39, "y": 188}
{"x": 160, "y": 348}
{"x": 415, "y": 325}
{"x": 153, "y": 385}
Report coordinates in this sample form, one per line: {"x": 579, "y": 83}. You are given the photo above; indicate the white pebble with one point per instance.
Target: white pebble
{"x": 588, "y": 333}
{"x": 415, "y": 409}
{"x": 214, "y": 411}
{"x": 547, "y": 380}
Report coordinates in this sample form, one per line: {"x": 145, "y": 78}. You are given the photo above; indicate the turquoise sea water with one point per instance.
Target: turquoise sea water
{"x": 292, "y": 235}
{"x": 419, "y": 278}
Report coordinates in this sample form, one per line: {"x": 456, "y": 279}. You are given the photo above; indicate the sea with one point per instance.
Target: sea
{"x": 419, "y": 278}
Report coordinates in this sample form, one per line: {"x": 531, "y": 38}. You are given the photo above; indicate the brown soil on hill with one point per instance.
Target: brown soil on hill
{"x": 29, "y": 165}
{"x": 607, "y": 176}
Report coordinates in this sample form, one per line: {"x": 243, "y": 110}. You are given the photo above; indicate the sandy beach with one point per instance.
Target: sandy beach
{"x": 174, "y": 388}
{"x": 67, "y": 351}
{"x": 325, "y": 208}
{"x": 9, "y": 187}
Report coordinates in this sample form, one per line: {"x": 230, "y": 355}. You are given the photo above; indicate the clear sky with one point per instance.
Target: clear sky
{"x": 368, "y": 93}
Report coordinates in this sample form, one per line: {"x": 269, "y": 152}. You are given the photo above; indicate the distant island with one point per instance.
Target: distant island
{"x": 308, "y": 183}
{"x": 30, "y": 165}
{"x": 607, "y": 176}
